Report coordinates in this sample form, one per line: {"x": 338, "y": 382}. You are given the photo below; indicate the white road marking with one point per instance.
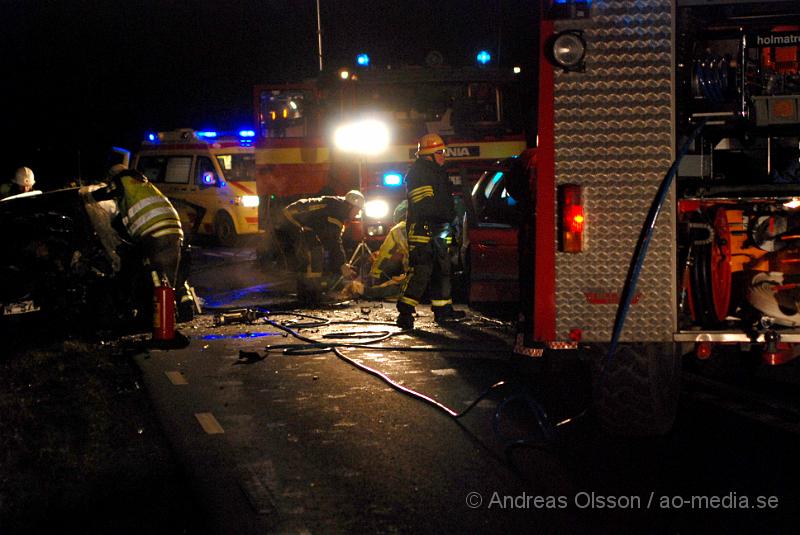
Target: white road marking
{"x": 176, "y": 378}
{"x": 209, "y": 424}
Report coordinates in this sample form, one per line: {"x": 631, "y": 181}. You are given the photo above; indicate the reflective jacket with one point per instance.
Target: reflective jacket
{"x": 428, "y": 191}
{"x": 325, "y": 217}
{"x": 392, "y": 257}
{"x": 143, "y": 209}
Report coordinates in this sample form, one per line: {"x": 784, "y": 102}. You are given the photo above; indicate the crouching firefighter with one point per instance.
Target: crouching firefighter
{"x": 430, "y": 214}
{"x": 390, "y": 262}
{"x": 143, "y": 216}
{"x": 309, "y": 229}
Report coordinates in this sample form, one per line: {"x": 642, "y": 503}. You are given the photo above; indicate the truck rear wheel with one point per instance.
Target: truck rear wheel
{"x": 224, "y": 230}
{"x": 638, "y": 394}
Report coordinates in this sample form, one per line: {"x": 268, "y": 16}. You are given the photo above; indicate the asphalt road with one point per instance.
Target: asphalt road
{"x": 307, "y": 443}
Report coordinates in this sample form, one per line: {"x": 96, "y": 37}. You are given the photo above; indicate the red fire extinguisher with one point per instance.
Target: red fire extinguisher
{"x": 163, "y": 310}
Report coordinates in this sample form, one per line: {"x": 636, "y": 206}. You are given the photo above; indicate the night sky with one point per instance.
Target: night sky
{"x": 81, "y": 76}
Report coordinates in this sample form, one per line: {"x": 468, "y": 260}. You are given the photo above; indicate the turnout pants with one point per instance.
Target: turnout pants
{"x": 164, "y": 255}
{"x": 306, "y": 256}
{"x": 429, "y": 268}
{"x": 310, "y": 257}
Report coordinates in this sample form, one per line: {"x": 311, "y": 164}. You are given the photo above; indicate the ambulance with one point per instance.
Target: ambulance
{"x": 208, "y": 176}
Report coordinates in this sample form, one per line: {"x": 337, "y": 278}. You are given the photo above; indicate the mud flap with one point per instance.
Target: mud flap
{"x": 638, "y": 394}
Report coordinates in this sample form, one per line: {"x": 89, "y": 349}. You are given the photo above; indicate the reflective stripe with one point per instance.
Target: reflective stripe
{"x": 294, "y": 221}
{"x": 167, "y": 231}
{"x": 147, "y": 218}
{"x": 419, "y": 239}
{"x": 161, "y": 224}
{"x": 441, "y": 302}
{"x": 408, "y": 301}
{"x": 134, "y": 210}
{"x": 420, "y": 190}
{"x": 417, "y": 194}
{"x": 336, "y": 222}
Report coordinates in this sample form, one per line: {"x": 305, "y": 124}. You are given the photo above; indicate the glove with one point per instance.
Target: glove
{"x": 347, "y": 271}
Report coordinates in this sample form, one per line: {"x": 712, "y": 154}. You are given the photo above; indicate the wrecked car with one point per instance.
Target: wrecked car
{"x": 64, "y": 266}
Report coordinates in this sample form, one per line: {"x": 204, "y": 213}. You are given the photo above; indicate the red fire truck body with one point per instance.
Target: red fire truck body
{"x": 477, "y": 111}
{"x": 666, "y": 166}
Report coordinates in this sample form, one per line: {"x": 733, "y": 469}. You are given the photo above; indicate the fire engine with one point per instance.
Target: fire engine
{"x": 665, "y": 192}
{"x": 359, "y": 129}
{"x": 208, "y": 176}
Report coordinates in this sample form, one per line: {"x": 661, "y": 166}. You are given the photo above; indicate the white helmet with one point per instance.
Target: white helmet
{"x": 24, "y": 177}
{"x": 355, "y": 198}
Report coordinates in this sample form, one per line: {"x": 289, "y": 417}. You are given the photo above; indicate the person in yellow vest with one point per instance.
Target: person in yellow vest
{"x": 390, "y": 262}
{"x": 145, "y": 217}
{"x": 310, "y": 229}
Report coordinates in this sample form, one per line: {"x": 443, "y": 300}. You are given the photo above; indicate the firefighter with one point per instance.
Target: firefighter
{"x": 144, "y": 216}
{"x": 309, "y": 229}
{"x": 22, "y": 182}
{"x": 430, "y": 214}
{"x": 390, "y": 262}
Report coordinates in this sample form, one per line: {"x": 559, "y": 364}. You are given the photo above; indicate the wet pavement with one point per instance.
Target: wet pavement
{"x": 281, "y": 439}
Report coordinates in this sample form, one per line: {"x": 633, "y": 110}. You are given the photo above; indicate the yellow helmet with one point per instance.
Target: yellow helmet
{"x": 430, "y": 143}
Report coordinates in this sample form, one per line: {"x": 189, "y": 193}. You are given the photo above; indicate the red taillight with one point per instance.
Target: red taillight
{"x": 572, "y": 220}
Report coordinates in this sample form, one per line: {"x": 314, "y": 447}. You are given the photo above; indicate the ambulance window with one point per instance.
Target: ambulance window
{"x": 237, "y": 167}
{"x": 205, "y": 175}
{"x": 152, "y": 167}
{"x": 178, "y": 168}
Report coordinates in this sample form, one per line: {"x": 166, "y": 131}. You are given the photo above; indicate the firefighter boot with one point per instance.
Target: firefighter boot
{"x": 405, "y": 320}
{"x": 447, "y": 314}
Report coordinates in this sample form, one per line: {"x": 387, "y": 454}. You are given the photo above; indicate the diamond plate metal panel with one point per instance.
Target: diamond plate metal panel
{"x": 613, "y": 135}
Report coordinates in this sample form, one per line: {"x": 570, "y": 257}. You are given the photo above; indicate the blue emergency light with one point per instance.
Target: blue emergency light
{"x": 206, "y": 133}
{"x": 362, "y": 60}
{"x": 152, "y": 137}
{"x": 392, "y": 179}
{"x": 247, "y": 133}
{"x": 484, "y": 57}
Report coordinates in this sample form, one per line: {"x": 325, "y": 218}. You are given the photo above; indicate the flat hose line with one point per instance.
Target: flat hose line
{"x": 548, "y": 433}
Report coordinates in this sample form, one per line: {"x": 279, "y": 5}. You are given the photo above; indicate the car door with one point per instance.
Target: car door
{"x": 491, "y": 251}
